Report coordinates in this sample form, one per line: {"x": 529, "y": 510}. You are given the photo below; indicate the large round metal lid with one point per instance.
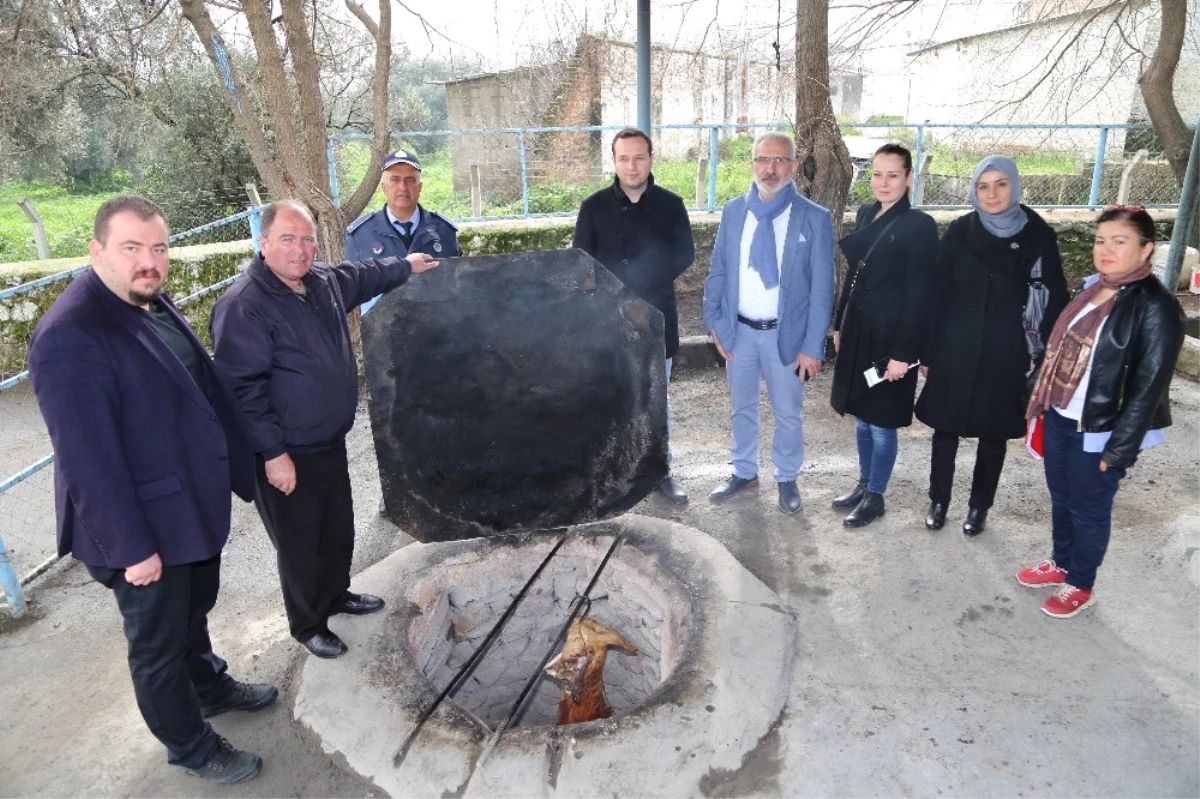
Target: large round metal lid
{"x": 514, "y": 392}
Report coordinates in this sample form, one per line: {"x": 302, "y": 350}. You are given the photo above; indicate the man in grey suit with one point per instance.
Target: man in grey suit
{"x": 767, "y": 303}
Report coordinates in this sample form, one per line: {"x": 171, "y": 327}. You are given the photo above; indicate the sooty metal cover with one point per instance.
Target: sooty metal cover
{"x": 514, "y": 392}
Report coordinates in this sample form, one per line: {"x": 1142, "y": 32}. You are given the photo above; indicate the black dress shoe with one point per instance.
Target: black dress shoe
{"x": 732, "y": 486}
{"x": 935, "y": 517}
{"x": 227, "y": 765}
{"x": 326, "y": 645}
{"x": 241, "y": 696}
{"x": 854, "y": 497}
{"x": 671, "y": 490}
{"x": 789, "y": 497}
{"x": 976, "y": 521}
{"x": 867, "y": 511}
{"x": 358, "y": 604}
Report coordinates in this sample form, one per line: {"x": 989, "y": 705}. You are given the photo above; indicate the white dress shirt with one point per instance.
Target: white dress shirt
{"x": 756, "y": 301}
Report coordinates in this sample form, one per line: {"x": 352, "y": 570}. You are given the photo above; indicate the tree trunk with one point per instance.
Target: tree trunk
{"x": 825, "y": 170}
{"x": 1157, "y": 85}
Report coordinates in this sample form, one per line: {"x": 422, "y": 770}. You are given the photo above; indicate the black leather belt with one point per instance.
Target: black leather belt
{"x": 759, "y": 324}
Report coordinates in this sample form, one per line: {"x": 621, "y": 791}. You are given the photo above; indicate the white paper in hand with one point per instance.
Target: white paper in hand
{"x": 873, "y": 377}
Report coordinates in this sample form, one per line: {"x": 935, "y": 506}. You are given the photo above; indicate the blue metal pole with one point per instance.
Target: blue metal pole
{"x": 643, "y": 65}
{"x": 1098, "y": 169}
{"x": 1185, "y": 216}
{"x": 10, "y": 584}
{"x": 713, "y": 145}
{"x": 26, "y": 473}
{"x": 917, "y": 164}
{"x": 255, "y": 227}
{"x": 524, "y": 174}
{"x": 333, "y": 187}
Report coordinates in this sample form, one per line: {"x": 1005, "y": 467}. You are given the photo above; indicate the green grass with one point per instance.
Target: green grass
{"x": 66, "y": 216}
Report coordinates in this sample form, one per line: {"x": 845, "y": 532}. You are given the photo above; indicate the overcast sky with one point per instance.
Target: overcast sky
{"x": 506, "y": 33}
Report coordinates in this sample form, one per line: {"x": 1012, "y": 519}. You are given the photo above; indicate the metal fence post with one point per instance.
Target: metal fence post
{"x": 916, "y": 187}
{"x": 1098, "y": 168}
{"x": 255, "y": 220}
{"x": 333, "y": 187}
{"x": 713, "y": 145}
{"x": 1185, "y": 216}
{"x": 524, "y": 173}
{"x": 10, "y": 583}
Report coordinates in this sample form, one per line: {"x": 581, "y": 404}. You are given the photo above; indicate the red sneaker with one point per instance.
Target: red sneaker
{"x": 1045, "y": 573}
{"x": 1067, "y": 601}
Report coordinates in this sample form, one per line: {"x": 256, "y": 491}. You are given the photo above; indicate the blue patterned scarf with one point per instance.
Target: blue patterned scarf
{"x": 763, "y": 257}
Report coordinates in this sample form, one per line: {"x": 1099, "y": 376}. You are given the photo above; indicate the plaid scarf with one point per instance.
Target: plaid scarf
{"x": 1070, "y": 348}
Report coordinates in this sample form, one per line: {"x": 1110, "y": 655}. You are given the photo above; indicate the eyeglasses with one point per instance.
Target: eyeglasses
{"x": 763, "y": 160}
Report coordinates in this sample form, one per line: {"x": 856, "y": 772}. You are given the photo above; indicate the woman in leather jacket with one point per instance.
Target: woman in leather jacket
{"x": 1101, "y": 397}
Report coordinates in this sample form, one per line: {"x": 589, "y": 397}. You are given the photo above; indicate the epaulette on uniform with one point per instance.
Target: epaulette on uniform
{"x": 444, "y": 219}
{"x": 357, "y": 223}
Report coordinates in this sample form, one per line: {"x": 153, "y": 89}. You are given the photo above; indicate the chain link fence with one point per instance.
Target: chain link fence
{"x": 524, "y": 172}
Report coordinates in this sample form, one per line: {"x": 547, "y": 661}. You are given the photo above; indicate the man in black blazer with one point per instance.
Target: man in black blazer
{"x": 147, "y": 446}
{"x": 641, "y": 233}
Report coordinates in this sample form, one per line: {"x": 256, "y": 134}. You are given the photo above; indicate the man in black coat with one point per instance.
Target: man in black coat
{"x": 641, "y": 233}
{"x": 148, "y": 445}
{"x": 280, "y": 333}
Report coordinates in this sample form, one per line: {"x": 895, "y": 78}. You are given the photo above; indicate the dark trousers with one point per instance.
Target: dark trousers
{"x": 1081, "y": 500}
{"x": 989, "y": 461}
{"x": 313, "y": 532}
{"x": 170, "y": 655}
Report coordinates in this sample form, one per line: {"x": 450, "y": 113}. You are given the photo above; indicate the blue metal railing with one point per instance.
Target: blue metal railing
{"x": 9, "y": 583}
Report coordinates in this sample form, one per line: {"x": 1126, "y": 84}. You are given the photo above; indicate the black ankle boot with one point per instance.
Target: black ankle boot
{"x": 867, "y": 511}
{"x": 976, "y": 521}
{"x": 854, "y": 497}
{"x": 936, "y": 516}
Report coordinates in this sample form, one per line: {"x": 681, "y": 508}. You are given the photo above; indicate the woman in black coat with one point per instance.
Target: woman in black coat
{"x": 880, "y": 322}
{"x": 995, "y": 318}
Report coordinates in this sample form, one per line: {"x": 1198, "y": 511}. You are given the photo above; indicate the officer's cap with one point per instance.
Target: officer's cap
{"x": 401, "y": 157}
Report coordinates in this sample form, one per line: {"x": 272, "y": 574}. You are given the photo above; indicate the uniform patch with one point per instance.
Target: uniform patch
{"x": 377, "y": 248}
{"x": 437, "y": 246}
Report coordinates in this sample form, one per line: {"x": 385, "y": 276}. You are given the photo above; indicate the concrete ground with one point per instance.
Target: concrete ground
{"x": 922, "y": 667}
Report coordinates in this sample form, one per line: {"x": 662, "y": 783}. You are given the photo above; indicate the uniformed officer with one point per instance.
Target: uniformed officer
{"x": 402, "y": 226}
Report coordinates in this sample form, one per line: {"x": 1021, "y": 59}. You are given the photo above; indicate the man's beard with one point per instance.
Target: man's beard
{"x": 144, "y": 298}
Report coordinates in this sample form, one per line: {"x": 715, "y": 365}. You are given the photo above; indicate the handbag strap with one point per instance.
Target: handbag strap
{"x": 871, "y": 249}
{"x": 888, "y": 227}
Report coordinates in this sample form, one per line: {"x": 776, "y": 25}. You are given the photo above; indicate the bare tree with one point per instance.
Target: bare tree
{"x": 825, "y": 170}
{"x": 283, "y": 119}
{"x": 1157, "y": 86}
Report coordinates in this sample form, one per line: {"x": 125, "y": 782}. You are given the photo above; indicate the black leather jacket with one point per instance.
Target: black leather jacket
{"x": 1132, "y": 369}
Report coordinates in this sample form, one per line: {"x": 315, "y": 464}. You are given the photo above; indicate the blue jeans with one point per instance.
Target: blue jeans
{"x": 756, "y": 360}
{"x": 1081, "y": 499}
{"x": 877, "y": 448}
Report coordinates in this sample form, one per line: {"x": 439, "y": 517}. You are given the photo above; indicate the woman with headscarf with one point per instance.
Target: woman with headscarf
{"x": 1101, "y": 398}
{"x": 1002, "y": 287}
{"x": 880, "y": 325}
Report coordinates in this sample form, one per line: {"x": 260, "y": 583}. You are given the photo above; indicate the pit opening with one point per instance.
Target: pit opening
{"x": 461, "y": 602}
